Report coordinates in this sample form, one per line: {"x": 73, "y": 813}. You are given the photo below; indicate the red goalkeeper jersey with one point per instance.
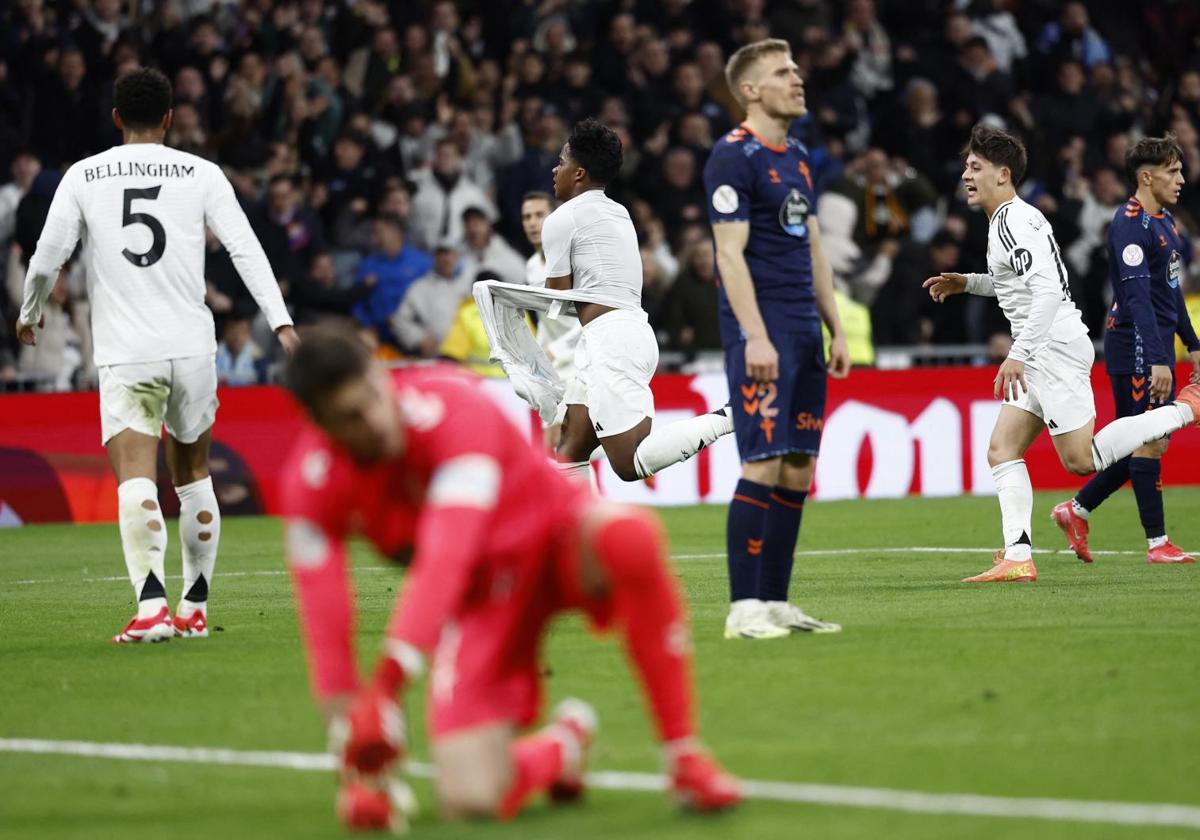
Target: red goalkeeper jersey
{"x": 473, "y": 499}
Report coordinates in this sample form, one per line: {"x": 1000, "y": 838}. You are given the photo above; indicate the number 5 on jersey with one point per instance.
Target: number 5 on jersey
{"x": 128, "y": 218}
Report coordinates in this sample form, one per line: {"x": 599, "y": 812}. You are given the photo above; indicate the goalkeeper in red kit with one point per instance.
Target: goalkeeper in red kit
{"x": 425, "y": 467}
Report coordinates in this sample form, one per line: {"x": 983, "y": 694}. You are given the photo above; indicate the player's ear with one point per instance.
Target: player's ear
{"x": 116, "y": 118}
{"x": 166, "y": 121}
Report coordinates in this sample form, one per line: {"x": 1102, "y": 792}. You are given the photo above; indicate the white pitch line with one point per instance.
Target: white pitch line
{"x": 917, "y": 802}
{"x": 813, "y": 552}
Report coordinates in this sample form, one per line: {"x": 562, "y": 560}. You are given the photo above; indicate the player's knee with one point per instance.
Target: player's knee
{"x": 1154, "y": 449}
{"x": 1078, "y": 463}
{"x": 999, "y": 453}
{"x": 625, "y": 470}
{"x": 470, "y": 799}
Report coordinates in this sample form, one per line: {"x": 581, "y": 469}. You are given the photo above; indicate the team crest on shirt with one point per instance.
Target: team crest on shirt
{"x": 794, "y": 213}
{"x": 1174, "y": 269}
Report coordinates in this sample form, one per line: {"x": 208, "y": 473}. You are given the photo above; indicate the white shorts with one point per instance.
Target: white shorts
{"x": 182, "y": 393}
{"x": 615, "y": 360}
{"x": 1060, "y": 385}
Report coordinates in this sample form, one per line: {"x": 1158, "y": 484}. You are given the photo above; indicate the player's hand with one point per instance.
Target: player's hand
{"x": 25, "y": 332}
{"x": 288, "y": 338}
{"x": 839, "y": 358}
{"x": 1008, "y": 378}
{"x": 1195, "y": 357}
{"x": 945, "y": 284}
{"x": 1161, "y": 378}
{"x": 371, "y": 735}
{"x": 762, "y": 362}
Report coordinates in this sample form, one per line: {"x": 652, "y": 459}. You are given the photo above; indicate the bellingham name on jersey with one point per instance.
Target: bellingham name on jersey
{"x": 771, "y": 188}
{"x": 1145, "y": 266}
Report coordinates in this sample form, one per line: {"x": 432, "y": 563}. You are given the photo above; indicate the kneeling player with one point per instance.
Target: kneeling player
{"x": 503, "y": 543}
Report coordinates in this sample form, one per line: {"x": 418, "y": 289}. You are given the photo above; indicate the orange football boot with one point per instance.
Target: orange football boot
{"x": 1006, "y": 571}
{"x": 1190, "y": 396}
{"x": 1168, "y": 552}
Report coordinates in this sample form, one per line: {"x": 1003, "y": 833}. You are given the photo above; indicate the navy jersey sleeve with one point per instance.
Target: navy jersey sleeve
{"x": 1130, "y": 242}
{"x": 729, "y": 184}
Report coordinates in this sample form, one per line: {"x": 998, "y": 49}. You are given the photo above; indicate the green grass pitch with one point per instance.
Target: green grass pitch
{"x": 1084, "y": 685}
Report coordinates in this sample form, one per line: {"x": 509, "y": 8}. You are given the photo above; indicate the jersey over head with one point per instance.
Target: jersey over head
{"x": 770, "y": 188}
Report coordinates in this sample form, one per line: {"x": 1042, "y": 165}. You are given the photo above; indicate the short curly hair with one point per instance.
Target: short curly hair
{"x": 596, "y": 148}
{"x": 142, "y": 98}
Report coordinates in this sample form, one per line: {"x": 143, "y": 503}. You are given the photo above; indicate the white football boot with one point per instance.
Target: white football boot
{"x": 749, "y": 619}
{"x": 783, "y": 614}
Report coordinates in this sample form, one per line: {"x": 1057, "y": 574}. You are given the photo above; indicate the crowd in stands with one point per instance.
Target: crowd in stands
{"x": 382, "y": 149}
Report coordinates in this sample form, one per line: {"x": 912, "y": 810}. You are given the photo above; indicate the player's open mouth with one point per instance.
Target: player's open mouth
{"x": 970, "y": 188}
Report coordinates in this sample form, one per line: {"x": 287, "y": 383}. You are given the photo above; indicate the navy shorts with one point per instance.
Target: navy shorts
{"x": 786, "y": 415}
{"x": 1131, "y": 393}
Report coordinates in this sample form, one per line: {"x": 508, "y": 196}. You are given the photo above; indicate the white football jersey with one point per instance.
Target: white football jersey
{"x": 140, "y": 211}
{"x": 1027, "y": 276}
{"x": 592, "y": 238}
{"x": 550, "y": 331}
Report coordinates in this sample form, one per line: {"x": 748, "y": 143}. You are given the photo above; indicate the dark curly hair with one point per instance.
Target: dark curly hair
{"x": 1152, "y": 152}
{"x": 997, "y": 146}
{"x": 596, "y": 148}
{"x": 142, "y": 98}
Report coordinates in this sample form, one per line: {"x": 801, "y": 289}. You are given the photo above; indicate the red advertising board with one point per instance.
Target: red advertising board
{"x": 887, "y": 434}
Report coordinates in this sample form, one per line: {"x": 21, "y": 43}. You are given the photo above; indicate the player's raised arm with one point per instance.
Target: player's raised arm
{"x": 58, "y": 239}
{"x": 839, "y": 351}
{"x": 228, "y": 221}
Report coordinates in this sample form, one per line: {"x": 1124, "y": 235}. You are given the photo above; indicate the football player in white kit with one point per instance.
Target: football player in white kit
{"x": 1046, "y": 379}
{"x": 591, "y": 248}
{"x": 140, "y": 210}
{"x": 557, "y": 336}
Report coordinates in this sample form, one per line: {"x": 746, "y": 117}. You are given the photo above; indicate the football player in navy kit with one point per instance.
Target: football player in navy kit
{"x": 1145, "y": 266}
{"x": 776, "y": 289}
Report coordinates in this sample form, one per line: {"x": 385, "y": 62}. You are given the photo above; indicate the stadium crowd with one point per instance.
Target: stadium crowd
{"x": 383, "y": 147}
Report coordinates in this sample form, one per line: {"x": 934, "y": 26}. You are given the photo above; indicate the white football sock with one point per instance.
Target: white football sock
{"x": 1125, "y": 434}
{"x": 199, "y": 533}
{"x": 1155, "y": 542}
{"x": 144, "y": 541}
{"x": 680, "y": 441}
{"x": 1016, "y": 508}
{"x": 1079, "y": 510}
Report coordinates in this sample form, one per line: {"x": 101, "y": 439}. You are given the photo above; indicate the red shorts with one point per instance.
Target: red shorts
{"x": 486, "y": 668}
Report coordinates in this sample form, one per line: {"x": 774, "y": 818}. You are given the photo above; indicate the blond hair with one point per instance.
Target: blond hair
{"x": 740, "y": 62}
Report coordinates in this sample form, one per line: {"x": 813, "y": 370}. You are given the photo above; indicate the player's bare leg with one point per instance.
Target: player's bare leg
{"x": 134, "y": 459}
{"x": 199, "y": 530}
{"x": 577, "y": 441}
{"x": 475, "y": 769}
{"x": 624, "y": 561}
{"x": 1015, "y": 430}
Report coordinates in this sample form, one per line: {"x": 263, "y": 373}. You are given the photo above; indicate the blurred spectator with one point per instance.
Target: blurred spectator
{"x": 443, "y": 192}
{"x": 58, "y": 352}
{"x": 237, "y": 354}
{"x": 903, "y": 312}
{"x": 66, "y": 118}
{"x": 424, "y": 318}
{"x": 390, "y": 269}
{"x": 25, "y": 167}
{"x": 1071, "y": 36}
{"x": 466, "y": 341}
{"x": 488, "y": 250}
{"x": 290, "y": 233}
{"x": 692, "y": 305}
{"x": 317, "y": 295}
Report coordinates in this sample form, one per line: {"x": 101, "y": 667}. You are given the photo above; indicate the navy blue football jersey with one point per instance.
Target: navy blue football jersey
{"x": 1145, "y": 267}
{"x": 770, "y": 187}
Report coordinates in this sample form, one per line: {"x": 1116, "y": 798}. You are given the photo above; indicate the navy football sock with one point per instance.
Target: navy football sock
{"x": 744, "y": 537}
{"x": 1103, "y": 484}
{"x": 1144, "y": 474}
{"x": 779, "y": 542}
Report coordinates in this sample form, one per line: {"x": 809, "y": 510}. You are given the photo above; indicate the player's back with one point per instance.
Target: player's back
{"x": 770, "y": 188}
{"x": 454, "y": 434}
{"x": 604, "y": 259}
{"x": 143, "y": 211}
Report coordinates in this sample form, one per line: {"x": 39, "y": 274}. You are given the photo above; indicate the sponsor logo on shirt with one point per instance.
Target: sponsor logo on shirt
{"x": 1021, "y": 261}
{"x": 1174, "y": 269}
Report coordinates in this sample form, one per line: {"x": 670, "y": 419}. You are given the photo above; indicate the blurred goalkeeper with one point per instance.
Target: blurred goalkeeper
{"x": 503, "y": 543}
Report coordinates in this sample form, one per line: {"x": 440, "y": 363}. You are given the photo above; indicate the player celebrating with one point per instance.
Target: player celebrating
{"x": 591, "y": 248}
{"x": 503, "y": 542}
{"x": 1145, "y": 267}
{"x": 1046, "y": 379}
{"x": 776, "y": 287}
{"x": 559, "y": 336}
{"x": 141, "y": 211}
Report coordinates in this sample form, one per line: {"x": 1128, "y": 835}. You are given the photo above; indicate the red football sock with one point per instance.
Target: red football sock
{"x": 537, "y": 764}
{"x": 647, "y": 608}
